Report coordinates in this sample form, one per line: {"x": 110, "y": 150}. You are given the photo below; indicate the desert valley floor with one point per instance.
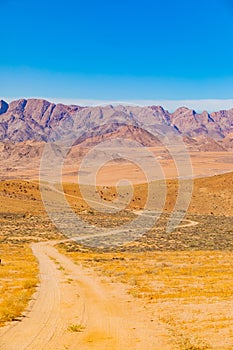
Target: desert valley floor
{"x": 159, "y": 291}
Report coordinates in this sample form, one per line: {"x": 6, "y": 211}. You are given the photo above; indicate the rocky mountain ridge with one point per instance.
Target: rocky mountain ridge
{"x": 40, "y": 120}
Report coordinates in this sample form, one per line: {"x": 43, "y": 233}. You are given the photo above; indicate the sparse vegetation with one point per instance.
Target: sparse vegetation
{"x": 18, "y": 275}
{"x": 75, "y": 328}
{"x": 186, "y": 275}
{"x": 191, "y": 290}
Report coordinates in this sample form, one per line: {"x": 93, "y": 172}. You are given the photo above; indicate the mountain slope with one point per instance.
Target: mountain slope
{"x": 40, "y": 120}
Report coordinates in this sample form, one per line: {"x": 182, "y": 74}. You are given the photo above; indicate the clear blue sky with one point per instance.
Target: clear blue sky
{"x": 120, "y": 50}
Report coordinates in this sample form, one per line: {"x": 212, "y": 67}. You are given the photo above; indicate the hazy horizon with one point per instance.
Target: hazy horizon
{"x": 210, "y": 105}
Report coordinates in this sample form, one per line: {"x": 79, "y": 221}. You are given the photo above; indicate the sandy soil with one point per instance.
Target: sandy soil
{"x": 203, "y": 164}
{"x": 72, "y": 295}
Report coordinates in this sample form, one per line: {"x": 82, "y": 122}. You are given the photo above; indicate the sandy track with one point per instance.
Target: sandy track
{"x": 70, "y": 294}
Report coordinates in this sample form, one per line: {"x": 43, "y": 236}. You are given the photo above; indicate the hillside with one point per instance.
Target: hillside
{"x": 211, "y": 196}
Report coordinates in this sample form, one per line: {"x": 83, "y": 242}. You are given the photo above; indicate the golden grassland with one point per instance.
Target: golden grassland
{"x": 191, "y": 291}
{"x": 190, "y": 276}
{"x": 18, "y": 276}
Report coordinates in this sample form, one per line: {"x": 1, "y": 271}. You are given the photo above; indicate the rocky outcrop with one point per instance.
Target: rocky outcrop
{"x": 34, "y": 119}
{"x": 193, "y": 124}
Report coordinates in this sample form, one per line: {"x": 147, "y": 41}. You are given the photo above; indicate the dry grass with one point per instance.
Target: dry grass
{"x": 18, "y": 275}
{"x": 213, "y": 195}
{"x": 75, "y": 328}
{"x": 191, "y": 291}
{"x": 190, "y": 276}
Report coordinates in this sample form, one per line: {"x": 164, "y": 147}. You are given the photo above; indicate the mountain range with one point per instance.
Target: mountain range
{"x": 38, "y": 120}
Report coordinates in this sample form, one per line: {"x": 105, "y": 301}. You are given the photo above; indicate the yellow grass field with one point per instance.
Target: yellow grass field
{"x": 191, "y": 291}
{"x": 188, "y": 281}
{"x": 19, "y": 278}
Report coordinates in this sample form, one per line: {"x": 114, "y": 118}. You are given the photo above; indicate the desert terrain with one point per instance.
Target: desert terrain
{"x": 161, "y": 291}
{"x": 96, "y": 273}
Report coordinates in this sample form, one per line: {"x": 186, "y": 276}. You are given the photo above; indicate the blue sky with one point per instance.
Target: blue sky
{"x": 117, "y": 50}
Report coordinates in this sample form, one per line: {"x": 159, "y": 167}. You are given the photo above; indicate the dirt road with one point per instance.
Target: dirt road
{"x": 72, "y": 295}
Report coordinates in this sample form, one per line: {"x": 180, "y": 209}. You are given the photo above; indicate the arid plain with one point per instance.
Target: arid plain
{"x": 161, "y": 291}
{"x": 110, "y": 287}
